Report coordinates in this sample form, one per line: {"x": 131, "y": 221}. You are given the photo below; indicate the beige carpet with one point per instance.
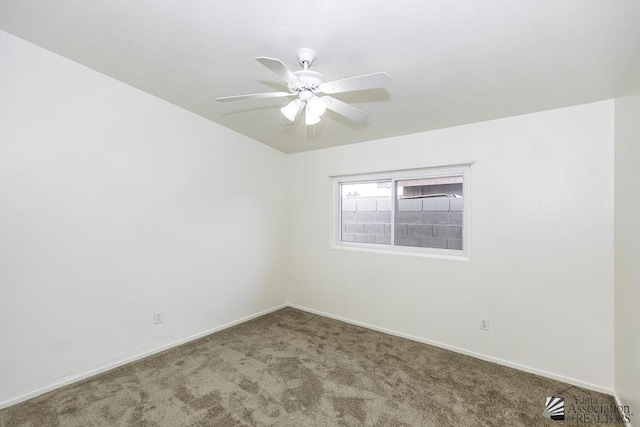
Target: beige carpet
{"x": 291, "y": 368}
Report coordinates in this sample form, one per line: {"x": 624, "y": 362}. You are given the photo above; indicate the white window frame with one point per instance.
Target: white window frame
{"x": 463, "y": 170}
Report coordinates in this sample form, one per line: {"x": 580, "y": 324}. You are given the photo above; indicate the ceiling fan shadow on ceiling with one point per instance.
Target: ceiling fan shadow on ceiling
{"x": 312, "y": 93}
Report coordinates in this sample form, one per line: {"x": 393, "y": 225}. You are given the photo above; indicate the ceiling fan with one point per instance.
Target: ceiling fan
{"x": 311, "y": 92}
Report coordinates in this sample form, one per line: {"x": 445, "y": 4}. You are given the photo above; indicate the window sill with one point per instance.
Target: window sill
{"x": 406, "y": 252}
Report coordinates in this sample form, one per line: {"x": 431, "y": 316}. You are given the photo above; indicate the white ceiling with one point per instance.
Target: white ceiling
{"x": 452, "y": 61}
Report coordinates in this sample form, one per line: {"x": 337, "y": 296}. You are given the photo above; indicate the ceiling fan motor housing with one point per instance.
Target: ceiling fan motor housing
{"x": 310, "y": 80}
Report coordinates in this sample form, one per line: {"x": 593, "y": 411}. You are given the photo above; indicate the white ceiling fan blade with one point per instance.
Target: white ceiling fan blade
{"x": 292, "y": 109}
{"x": 256, "y": 96}
{"x": 346, "y": 110}
{"x": 367, "y": 81}
{"x": 279, "y": 68}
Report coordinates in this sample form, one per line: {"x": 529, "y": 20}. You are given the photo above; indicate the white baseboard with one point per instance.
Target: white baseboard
{"x": 518, "y": 366}
{"x": 137, "y": 357}
{"x": 130, "y": 359}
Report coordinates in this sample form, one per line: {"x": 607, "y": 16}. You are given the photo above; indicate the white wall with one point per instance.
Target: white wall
{"x": 115, "y": 204}
{"x": 542, "y": 239}
{"x": 627, "y": 240}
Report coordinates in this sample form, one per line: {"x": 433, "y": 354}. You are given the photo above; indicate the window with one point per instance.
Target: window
{"x": 421, "y": 211}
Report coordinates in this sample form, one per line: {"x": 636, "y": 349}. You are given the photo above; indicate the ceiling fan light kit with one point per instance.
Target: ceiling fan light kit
{"x": 310, "y": 119}
{"x": 291, "y": 110}
{"x": 305, "y": 85}
{"x": 316, "y": 106}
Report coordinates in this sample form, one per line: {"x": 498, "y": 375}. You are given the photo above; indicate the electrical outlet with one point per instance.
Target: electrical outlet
{"x": 484, "y": 323}
{"x": 157, "y": 317}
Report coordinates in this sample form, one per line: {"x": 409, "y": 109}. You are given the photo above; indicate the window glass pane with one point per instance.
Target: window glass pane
{"x": 429, "y": 212}
{"x": 366, "y": 212}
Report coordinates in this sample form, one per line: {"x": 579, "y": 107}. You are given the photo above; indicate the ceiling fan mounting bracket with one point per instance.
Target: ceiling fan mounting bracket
{"x": 306, "y": 56}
